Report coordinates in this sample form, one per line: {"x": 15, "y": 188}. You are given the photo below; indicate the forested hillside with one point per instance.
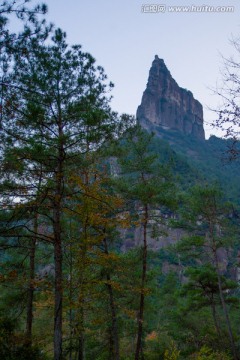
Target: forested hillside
{"x": 212, "y": 160}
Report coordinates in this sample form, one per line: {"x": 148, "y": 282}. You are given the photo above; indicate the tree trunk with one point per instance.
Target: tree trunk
{"x": 31, "y": 282}
{"x": 230, "y": 333}
{"x": 58, "y": 289}
{"x": 81, "y": 298}
{"x": 57, "y": 209}
{"x": 114, "y": 328}
{"x": 114, "y": 340}
{"x": 58, "y": 264}
{"x": 70, "y": 301}
{"x": 81, "y": 346}
{"x": 216, "y": 323}
{"x": 142, "y": 296}
{"x": 224, "y": 307}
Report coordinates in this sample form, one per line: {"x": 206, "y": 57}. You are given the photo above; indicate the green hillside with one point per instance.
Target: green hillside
{"x": 204, "y": 161}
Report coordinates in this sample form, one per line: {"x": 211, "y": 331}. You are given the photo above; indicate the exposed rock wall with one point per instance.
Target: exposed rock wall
{"x": 166, "y": 104}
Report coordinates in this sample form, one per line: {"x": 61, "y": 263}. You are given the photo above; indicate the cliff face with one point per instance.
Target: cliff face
{"x": 167, "y": 105}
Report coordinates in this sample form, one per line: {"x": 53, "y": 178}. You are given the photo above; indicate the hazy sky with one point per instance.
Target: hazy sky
{"x": 124, "y": 40}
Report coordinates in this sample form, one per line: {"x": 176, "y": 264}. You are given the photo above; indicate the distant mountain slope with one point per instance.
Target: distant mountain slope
{"x": 200, "y": 160}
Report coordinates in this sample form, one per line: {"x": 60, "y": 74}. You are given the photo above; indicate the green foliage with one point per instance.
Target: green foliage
{"x": 14, "y": 345}
{"x": 146, "y": 178}
{"x": 172, "y": 353}
{"x": 206, "y": 353}
{"x": 201, "y": 161}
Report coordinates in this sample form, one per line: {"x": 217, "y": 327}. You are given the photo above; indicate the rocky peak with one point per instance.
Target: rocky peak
{"x": 165, "y": 104}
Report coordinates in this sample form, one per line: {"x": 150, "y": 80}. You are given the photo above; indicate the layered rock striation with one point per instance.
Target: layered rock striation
{"x": 165, "y": 104}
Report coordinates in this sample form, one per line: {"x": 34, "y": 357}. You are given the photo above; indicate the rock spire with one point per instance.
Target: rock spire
{"x": 168, "y": 106}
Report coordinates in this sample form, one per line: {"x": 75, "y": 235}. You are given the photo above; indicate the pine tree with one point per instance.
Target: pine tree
{"x": 56, "y": 109}
{"x": 207, "y": 217}
{"x": 148, "y": 188}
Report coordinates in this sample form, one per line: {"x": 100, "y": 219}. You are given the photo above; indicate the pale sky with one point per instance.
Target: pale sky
{"x": 124, "y": 40}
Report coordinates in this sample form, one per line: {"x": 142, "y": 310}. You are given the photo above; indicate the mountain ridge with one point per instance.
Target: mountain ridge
{"x": 164, "y": 103}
